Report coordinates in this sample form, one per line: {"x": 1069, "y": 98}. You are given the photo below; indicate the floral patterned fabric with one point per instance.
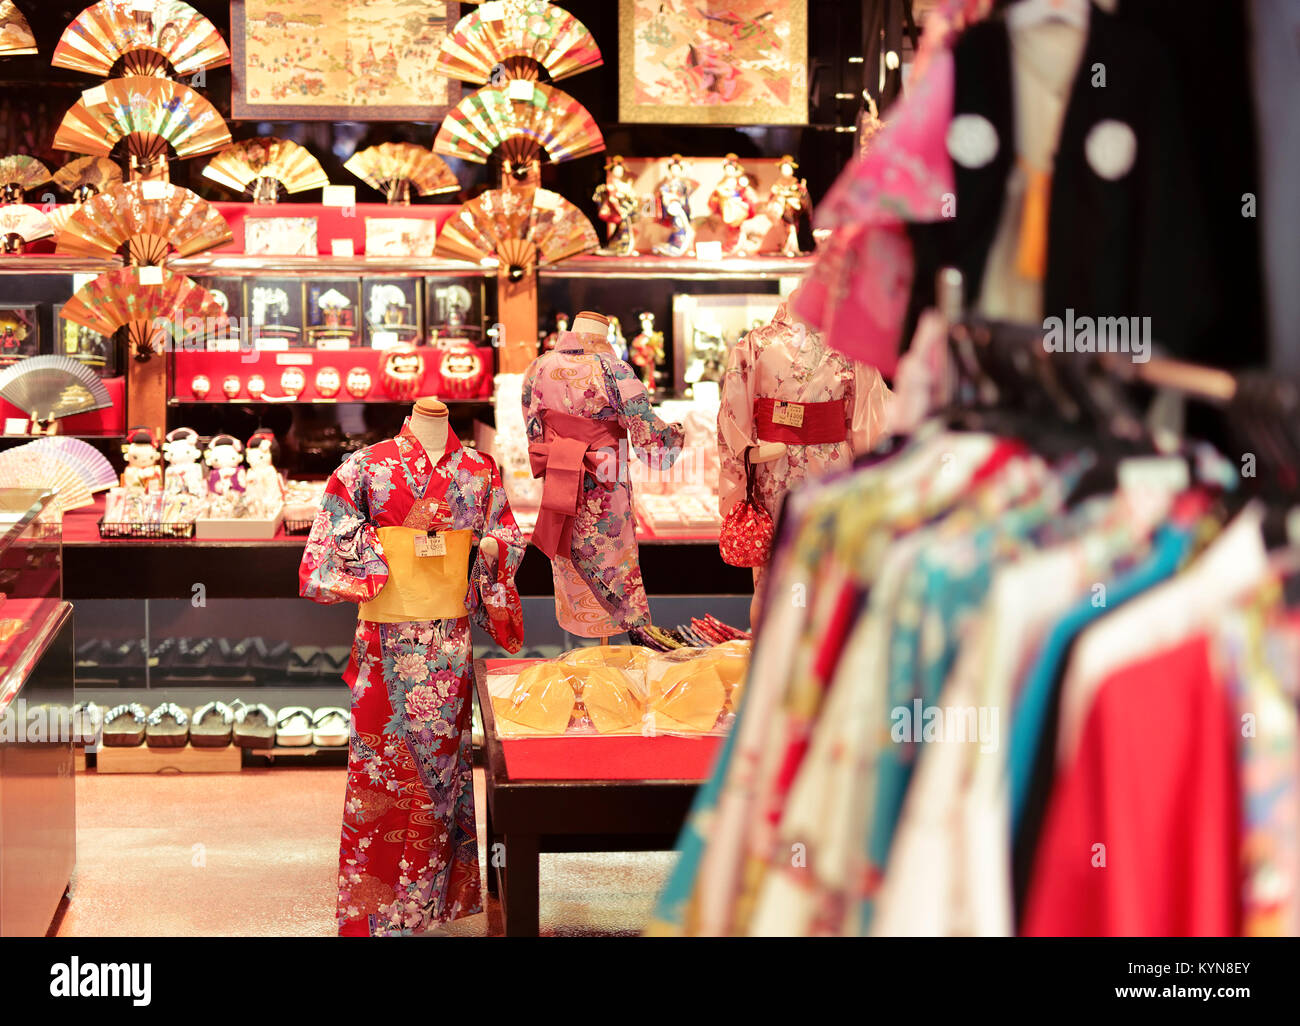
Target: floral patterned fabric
{"x": 784, "y": 360}
{"x": 409, "y": 857}
{"x": 598, "y": 590}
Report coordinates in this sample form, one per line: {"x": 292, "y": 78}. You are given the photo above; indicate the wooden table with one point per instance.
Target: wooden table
{"x": 527, "y": 817}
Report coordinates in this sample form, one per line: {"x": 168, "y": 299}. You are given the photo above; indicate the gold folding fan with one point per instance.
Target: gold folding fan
{"x": 21, "y": 224}
{"x": 86, "y": 176}
{"x": 16, "y": 38}
{"x": 521, "y": 36}
{"x": 154, "y": 217}
{"x": 520, "y": 228}
{"x": 149, "y": 113}
{"x": 521, "y": 119}
{"x": 119, "y": 298}
{"x": 395, "y": 168}
{"x": 257, "y": 165}
{"x": 18, "y": 173}
{"x": 147, "y": 42}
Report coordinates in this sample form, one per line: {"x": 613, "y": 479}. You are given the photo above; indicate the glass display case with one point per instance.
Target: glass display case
{"x": 31, "y": 580}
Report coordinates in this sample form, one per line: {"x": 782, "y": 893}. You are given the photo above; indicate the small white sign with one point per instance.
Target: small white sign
{"x": 383, "y": 339}
{"x": 520, "y": 89}
{"x": 15, "y": 426}
{"x": 334, "y": 344}
{"x": 154, "y": 189}
{"x": 270, "y": 344}
{"x": 342, "y": 247}
{"x": 151, "y": 275}
{"x": 708, "y": 250}
{"x": 430, "y": 545}
{"x": 293, "y": 359}
{"x": 339, "y": 196}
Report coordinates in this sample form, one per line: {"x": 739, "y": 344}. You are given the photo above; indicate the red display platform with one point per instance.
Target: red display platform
{"x": 604, "y": 757}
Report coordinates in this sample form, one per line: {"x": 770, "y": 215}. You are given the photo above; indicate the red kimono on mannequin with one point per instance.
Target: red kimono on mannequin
{"x": 409, "y": 853}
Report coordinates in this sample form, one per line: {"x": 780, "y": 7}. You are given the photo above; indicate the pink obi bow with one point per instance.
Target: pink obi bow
{"x": 569, "y": 448}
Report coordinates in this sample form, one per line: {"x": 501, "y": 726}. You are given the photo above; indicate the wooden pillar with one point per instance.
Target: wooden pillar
{"x": 146, "y": 393}
{"x": 517, "y": 312}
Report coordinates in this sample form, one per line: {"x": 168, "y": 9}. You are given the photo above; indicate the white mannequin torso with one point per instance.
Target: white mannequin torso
{"x": 432, "y": 433}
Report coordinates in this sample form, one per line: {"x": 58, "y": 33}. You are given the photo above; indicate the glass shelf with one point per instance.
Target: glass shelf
{"x": 679, "y": 268}
{"x": 323, "y": 266}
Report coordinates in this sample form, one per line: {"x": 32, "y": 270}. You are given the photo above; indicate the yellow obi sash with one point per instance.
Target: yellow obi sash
{"x": 421, "y": 587}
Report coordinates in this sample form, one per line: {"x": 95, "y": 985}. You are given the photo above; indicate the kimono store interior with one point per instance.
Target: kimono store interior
{"x": 649, "y": 468}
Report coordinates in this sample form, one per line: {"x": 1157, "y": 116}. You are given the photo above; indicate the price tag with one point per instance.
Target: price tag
{"x": 151, "y": 275}
{"x": 491, "y": 10}
{"x": 338, "y": 196}
{"x": 383, "y": 339}
{"x": 520, "y": 89}
{"x": 788, "y": 414}
{"x": 153, "y": 189}
{"x": 430, "y": 545}
{"x": 342, "y": 247}
{"x": 95, "y": 97}
{"x": 708, "y": 250}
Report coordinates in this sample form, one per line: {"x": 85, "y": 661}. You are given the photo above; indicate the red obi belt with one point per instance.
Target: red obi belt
{"x": 777, "y": 420}
{"x": 570, "y": 447}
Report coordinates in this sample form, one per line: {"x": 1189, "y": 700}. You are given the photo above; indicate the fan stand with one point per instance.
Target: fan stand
{"x": 42, "y": 427}
{"x": 83, "y": 193}
{"x": 13, "y": 193}
{"x": 14, "y": 243}
{"x": 266, "y": 192}
{"x": 399, "y": 193}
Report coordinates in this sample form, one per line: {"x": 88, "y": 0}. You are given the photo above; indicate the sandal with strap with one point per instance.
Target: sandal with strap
{"x": 331, "y": 727}
{"x": 293, "y": 727}
{"x": 254, "y": 726}
{"x": 212, "y": 725}
{"x": 124, "y": 725}
{"x": 168, "y": 726}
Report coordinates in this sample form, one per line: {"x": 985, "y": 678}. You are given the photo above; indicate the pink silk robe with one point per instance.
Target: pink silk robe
{"x": 784, "y": 360}
{"x": 409, "y": 852}
{"x": 598, "y": 589}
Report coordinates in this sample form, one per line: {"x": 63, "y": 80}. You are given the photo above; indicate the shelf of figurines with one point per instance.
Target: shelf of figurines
{"x": 679, "y": 268}
{"x": 56, "y": 263}
{"x": 245, "y": 265}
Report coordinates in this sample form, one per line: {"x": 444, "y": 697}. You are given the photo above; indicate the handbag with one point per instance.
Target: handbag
{"x": 501, "y": 603}
{"x": 746, "y": 535}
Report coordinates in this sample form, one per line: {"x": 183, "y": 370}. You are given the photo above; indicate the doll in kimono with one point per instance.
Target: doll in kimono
{"x": 733, "y": 200}
{"x": 673, "y": 209}
{"x": 262, "y": 483}
{"x": 789, "y": 199}
{"x": 648, "y": 350}
{"x": 183, "y": 451}
{"x": 224, "y": 457}
{"x": 618, "y": 204}
{"x": 423, "y": 540}
{"x": 142, "y": 473}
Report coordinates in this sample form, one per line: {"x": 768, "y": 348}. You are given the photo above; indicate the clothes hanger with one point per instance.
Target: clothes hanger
{"x": 1027, "y": 13}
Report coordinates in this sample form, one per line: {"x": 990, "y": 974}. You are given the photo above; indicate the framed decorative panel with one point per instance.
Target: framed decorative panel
{"x": 325, "y": 60}
{"x": 713, "y": 62}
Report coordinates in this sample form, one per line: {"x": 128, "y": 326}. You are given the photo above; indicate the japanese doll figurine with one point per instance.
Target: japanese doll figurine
{"x": 142, "y": 472}
{"x": 673, "y": 209}
{"x": 183, "y": 450}
{"x": 798, "y": 407}
{"x": 790, "y": 196}
{"x": 648, "y": 350}
{"x": 225, "y": 459}
{"x": 417, "y": 531}
{"x": 586, "y": 412}
{"x": 733, "y": 200}
{"x": 618, "y": 208}
{"x": 262, "y": 483}
{"x": 561, "y": 326}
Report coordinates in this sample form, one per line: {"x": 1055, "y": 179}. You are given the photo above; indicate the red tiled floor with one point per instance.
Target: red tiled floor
{"x": 255, "y": 854}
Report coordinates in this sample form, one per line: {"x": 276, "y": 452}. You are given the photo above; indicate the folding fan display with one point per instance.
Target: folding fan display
{"x": 117, "y": 297}
{"x": 256, "y": 165}
{"x": 89, "y": 464}
{"x": 153, "y": 217}
{"x": 150, "y": 113}
{"x": 50, "y": 387}
{"x": 520, "y": 228}
{"x": 522, "y": 119}
{"x": 85, "y": 176}
{"x": 21, "y": 224}
{"x": 146, "y": 41}
{"x": 395, "y": 168}
{"x": 23, "y": 468}
{"x": 16, "y": 38}
{"x": 521, "y": 36}
{"x": 18, "y": 173}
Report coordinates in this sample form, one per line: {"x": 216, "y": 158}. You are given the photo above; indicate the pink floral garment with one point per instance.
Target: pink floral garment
{"x": 408, "y": 858}
{"x": 598, "y": 591}
{"x": 784, "y": 360}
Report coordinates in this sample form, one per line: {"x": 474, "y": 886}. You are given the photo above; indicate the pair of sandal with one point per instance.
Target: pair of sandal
{"x": 297, "y": 727}
{"x": 130, "y": 725}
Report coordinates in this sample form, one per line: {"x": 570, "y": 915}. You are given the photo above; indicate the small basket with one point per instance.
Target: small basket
{"x": 170, "y": 532}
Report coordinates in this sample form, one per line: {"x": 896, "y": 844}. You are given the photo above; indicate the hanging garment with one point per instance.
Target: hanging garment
{"x": 590, "y": 535}
{"x": 409, "y": 852}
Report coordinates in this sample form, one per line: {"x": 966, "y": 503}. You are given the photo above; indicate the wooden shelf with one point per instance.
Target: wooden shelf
{"x": 243, "y": 265}
{"x": 679, "y": 268}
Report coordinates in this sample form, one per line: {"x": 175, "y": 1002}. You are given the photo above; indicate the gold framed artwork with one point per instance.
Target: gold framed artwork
{"x": 713, "y": 62}
{"x": 323, "y": 60}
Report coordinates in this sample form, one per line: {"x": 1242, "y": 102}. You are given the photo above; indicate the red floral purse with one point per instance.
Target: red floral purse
{"x": 502, "y": 604}
{"x": 746, "y": 535}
